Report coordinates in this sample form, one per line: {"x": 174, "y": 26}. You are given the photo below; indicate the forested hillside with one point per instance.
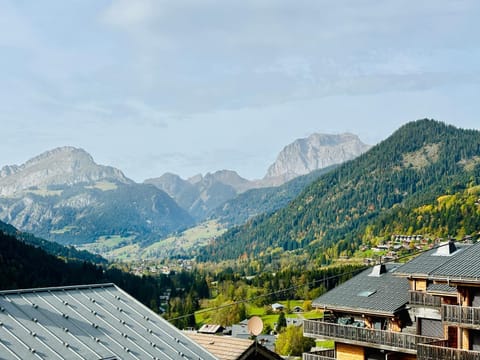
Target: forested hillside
{"x": 455, "y": 214}
{"x": 418, "y": 163}
{"x": 25, "y": 266}
{"x": 264, "y": 200}
{"x": 82, "y": 213}
{"x": 51, "y": 247}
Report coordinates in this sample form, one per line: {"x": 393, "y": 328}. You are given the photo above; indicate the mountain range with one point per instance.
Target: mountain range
{"x": 202, "y": 195}
{"x": 419, "y": 163}
{"x": 63, "y": 195}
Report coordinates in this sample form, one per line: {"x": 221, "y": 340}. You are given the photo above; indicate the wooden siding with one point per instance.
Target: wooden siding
{"x": 349, "y": 352}
{"x": 420, "y": 285}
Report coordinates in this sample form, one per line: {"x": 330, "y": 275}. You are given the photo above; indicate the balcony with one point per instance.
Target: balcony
{"x": 436, "y": 351}
{"x": 380, "y": 339}
{"x": 419, "y": 298}
{"x": 464, "y": 316}
{"x": 320, "y": 355}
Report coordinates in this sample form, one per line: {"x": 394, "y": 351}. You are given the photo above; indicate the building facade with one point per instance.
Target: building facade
{"x": 428, "y": 308}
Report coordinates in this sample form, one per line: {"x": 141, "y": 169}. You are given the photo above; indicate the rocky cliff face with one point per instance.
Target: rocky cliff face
{"x": 201, "y": 194}
{"x": 61, "y": 166}
{"x": 315, "y": 152}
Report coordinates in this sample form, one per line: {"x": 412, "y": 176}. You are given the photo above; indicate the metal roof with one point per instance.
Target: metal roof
{"x": 378, "y": 293}
{"x": 87, "y": 322}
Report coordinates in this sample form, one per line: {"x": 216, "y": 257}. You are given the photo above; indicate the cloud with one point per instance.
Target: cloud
{"x": 200, "y": 57}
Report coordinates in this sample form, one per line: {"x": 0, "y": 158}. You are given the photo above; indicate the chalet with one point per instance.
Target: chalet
{"x": 445, "y": 297}
{"x": 87, "y": 322}
{"x": 365, "y": 317}
{"x": 428, "y": 309}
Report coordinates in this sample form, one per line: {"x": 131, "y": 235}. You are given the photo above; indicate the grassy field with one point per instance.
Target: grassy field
{"x": 269, "y": 319}
{"x": 63, "y": 231}
{"x": 200, "y": 235}
{"x": 122, "y": 248}
{"x": 113, "y": 246}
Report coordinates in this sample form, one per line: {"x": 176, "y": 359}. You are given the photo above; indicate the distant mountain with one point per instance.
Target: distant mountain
{"x": 201, "y": 194}
{"x": 266, "y": 200}
{"x": 61, "y": 166}
{"x": 317, "y": 151}
{"x": 63, "y": 195}
{"x": 420, "y": 162}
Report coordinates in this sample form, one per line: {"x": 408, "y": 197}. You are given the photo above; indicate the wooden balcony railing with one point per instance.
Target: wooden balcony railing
{"x": 381, "y": 339}
{"x": 319, "y": 355}
{"x": 420, "y": 298}
{"x": 436, "y": 352}
{"x": 465, "y": 316}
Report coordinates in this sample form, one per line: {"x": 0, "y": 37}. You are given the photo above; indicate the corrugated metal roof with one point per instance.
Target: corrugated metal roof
{"x": 384, "y": 293}
{"x": 87, "y": 322}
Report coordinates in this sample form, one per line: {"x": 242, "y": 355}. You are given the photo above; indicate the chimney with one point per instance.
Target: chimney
{"x": 378, "y": 270}
{"x": 446, "y": 248}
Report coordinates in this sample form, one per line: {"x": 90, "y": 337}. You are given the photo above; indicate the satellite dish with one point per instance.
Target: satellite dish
{"x": 255, "y": 325}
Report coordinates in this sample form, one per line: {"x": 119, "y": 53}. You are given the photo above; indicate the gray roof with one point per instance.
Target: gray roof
{"x": 441, "y": 288}
{"x": 383, "y": 294}
{"x": 464, "y": 266}
{"x": 87, "y": 322}
{"x": 429, "y": 261}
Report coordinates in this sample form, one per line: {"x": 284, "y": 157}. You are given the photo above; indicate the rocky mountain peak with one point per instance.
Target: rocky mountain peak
{"x": 314, "y": 152}
{"x": 228, "y": 177}
{"x": 61, "y": 166}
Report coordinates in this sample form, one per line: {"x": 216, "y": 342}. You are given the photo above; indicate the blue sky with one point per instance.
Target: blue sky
{"x": 195, "y": 86}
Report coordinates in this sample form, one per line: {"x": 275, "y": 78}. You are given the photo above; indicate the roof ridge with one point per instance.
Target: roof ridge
{"x": 55, "y": 288}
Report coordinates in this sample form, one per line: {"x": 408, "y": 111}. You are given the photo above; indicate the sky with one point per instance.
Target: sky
{"x": 196, "y": 86}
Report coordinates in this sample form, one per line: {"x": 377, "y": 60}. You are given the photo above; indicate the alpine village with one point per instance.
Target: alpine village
{"x": 342, "y": 251}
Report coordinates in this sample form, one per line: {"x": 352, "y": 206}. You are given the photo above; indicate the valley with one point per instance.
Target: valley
{"x": 233, "y": 249}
